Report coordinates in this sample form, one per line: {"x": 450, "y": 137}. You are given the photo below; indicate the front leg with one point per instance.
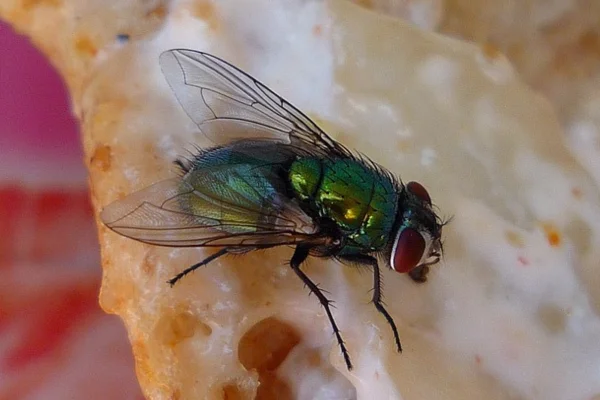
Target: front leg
{"x": 377, "y": 292}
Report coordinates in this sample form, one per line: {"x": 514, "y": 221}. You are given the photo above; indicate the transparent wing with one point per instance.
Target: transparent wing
{"x": 226, "y": 103}
{"x": 176, "y": 214}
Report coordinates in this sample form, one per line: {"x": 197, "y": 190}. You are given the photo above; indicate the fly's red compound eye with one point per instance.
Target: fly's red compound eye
{"x": 408, "y": 250}
{"x": 418, "y": 190}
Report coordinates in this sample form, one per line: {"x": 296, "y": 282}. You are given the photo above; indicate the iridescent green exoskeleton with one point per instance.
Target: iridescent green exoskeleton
{"x": 275, "y": 178}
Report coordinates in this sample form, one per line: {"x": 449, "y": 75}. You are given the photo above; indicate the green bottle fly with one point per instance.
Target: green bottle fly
{"x": 274, "y": 178}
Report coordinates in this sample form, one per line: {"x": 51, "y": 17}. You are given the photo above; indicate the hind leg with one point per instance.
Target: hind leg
{"x": 186, "y": 271}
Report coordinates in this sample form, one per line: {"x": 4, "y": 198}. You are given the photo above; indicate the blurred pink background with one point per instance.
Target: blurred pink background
{"x": 55, "y": 341}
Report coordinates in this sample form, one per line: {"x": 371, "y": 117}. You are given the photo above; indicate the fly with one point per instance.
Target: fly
{"x": 277, "y": 180}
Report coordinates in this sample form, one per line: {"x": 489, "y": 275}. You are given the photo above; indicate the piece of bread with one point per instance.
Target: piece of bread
{"x": 504, "y": 314}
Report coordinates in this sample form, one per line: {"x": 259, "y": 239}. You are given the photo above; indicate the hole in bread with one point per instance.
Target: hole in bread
{"x": 267, "y": 344}
{"x": 263, "y": 348}
{"x": 232, "y": 392}
{"x": 173, "y": 328}
{"x": 102, "y": 158}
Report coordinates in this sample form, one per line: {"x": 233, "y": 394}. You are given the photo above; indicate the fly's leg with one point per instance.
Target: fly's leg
{"x": 379, "y": 304}
{"x": 186, "y": 271}
{"x": 377, "y": 292}
{"x": 300, "y": 255}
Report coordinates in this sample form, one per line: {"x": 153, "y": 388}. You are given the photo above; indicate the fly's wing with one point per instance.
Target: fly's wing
{"x": 206, "y": 211}
{"x": 226, "y": 103}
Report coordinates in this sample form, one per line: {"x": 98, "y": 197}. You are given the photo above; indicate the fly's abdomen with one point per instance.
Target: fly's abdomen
{"x": 239, "y": 189}
{"x": 361, "y": 201}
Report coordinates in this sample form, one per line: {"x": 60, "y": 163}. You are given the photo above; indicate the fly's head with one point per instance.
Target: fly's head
{"x": 418, "y": 237}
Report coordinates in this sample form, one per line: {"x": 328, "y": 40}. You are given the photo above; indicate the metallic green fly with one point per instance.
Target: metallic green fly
{"x": 277, "y": 179}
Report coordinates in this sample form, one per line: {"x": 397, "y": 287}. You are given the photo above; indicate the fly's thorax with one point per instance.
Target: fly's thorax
{"x": 417, "y": 241}
{"x": 360, "y": 200}
{"x": 305, "y": 177}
